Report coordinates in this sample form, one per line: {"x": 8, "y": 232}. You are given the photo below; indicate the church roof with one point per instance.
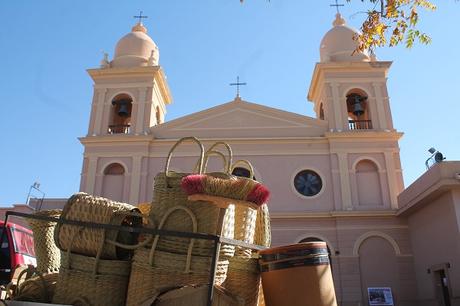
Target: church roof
{"x": 241, "y": 119}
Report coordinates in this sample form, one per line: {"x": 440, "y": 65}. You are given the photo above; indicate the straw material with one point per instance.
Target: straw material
{"x": 37, "y": 289}
{"x": 168, "y": 193}
{"x": 197, "y": 295}
{"x": 245, "y": 226}
{"x": 262, "y": 235}
{"x": 84, "y": 207}
{"x": 243, "y": 279}
{"x": 90, "y": 281}
{"x": 150, "y": 275}
{"x": 47, "y": 253}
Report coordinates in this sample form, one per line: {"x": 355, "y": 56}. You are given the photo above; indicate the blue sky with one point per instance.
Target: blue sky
{"x": 46, "y": 47}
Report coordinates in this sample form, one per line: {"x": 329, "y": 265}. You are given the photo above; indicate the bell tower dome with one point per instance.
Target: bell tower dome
{"x": 130, "y": 91}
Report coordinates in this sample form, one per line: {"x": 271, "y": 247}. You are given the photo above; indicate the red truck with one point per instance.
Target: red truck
{"x": 17, "y": 247}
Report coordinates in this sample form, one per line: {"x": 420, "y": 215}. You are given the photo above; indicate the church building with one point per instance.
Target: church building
{"x": 336, "y": 177}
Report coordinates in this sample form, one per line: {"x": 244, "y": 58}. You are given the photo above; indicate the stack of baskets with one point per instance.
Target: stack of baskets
{"x": 111, "y": 267}
{"x": 173, "y": 261}
{"x": 95, "y": 264}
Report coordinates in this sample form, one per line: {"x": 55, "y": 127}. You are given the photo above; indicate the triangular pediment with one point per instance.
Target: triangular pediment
{"x": 241, "y": 119}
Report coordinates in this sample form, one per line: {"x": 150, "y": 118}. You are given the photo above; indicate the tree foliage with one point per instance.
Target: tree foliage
{"x": 391, "y": 22}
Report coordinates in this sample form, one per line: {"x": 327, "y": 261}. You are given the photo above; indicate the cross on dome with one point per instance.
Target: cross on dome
{"x": 140, "y": 17}
{"x": 337, "y": 5}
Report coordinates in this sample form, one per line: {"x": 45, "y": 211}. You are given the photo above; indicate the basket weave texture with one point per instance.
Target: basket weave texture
{"x": 169, "y": 193}
{"x": 89, "y": 281}
{"x": 262, "y": 234}
{"x": 47, "y": 253}
{"x": 149, "y": 278}
{"x": 37, "y": 289}
{"x": 243, "y": 279}
{"x": 88, "y": 208}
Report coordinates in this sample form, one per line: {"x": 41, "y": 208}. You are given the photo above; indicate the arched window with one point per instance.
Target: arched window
{"x": 113, "y": 182}
{"x": 114, "y": 169}
{"x": 358, "y": 110}
{"x": 120, "y": 115}
{"x": 378, "y": 266}
{"x": 368, "y": 184}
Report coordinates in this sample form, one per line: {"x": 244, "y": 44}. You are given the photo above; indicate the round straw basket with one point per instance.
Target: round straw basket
{"x": 46, "y": 251}
{"x": 91, "y": 281}
{"x": 87, "y": 208}
{"x": 243, "y": 279}
{"x": 37, "y": 289}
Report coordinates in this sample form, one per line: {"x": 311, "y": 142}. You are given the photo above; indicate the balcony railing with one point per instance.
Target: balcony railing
{"x": 119, "y": 129}
{"x": 360, "y": 124}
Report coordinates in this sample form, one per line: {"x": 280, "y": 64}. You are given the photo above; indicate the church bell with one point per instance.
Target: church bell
{"x": 358, "y": 109}
{"x": 123, "y": 110}
{"x": 356, "y": 102}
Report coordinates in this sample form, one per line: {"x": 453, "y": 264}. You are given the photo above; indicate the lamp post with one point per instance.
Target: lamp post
{"x": 35, "y": 186}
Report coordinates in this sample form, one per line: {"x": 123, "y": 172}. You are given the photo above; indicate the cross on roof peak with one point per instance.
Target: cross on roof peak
{"x": 238, "y": 84}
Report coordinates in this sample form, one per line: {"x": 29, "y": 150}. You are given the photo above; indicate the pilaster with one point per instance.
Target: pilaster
{"x": 345, "y": 181}
{"x": 379, "y": 103}
{"x": 140, "y": 121}
{"x": 336, "y": 105}
{"x": 391, "y": 172}
{"x": 91, "y": 175}
{"x": 135, "y": 180}
{"x": 99, "y": 110}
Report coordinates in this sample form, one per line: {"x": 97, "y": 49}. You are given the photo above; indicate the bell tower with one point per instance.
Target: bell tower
{"x": 349, "y": 91}
{"x": 349, "y": 88}
{"x": 130, "y": 92}
{"x": 130, "y": 96}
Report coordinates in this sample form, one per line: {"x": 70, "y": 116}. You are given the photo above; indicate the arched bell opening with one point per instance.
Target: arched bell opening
{"x": 358, "y": 110}
{"x": 120, "y": 116}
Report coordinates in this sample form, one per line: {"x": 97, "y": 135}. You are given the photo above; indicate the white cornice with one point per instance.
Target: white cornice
{"x": 332, "y": 214}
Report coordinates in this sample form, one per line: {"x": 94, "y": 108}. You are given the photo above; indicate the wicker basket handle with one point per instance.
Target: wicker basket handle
{"x": 229, "y": 156}
{"x": 200, "y": 160}
{"x": 244, "y": 162}
{"x": 192, "y": 240}
{"x": 150, "y": 222}
{"x": 206, "y": 159}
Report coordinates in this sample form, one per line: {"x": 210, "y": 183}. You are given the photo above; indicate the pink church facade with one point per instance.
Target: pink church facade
{"x": 336, "y": 177}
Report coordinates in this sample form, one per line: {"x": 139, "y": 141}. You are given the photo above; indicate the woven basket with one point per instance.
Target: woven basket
{"x": 46, "y": 251}
{"x": 262, "y": 235}
{"x": 37, "y": 289}
{"x": 154, "y": 269}
{"x": 91, "y": 281}
{"x": 148, "y": 278}
{"x": 197, "y": 295}
{"x": 243, "y": 279}
{"x": 87, "y": 208}
{"x": 245, "y": 218}
{"x": 169, "y": 193}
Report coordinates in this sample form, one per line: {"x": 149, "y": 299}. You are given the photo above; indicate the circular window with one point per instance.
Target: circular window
{"x": 308, "y": 183}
